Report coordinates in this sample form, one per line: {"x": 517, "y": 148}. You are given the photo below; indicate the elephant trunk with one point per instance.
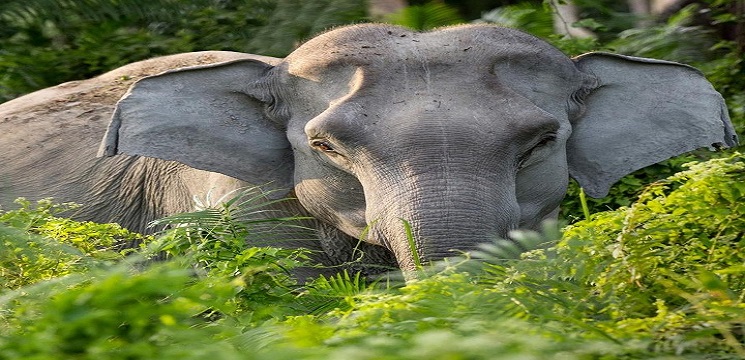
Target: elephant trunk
{"x": 420, "y": 224}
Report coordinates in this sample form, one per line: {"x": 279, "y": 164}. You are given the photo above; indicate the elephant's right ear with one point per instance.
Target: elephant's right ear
{"x": 640, "y": 112}
{"x": 203, "y": 117}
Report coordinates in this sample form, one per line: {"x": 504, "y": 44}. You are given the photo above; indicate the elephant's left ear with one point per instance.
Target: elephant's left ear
{"x": 205, "y": 117}
{"x": 640, "y": 112}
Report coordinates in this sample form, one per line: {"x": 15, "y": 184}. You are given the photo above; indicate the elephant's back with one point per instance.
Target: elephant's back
{"x": 107, "y": 88}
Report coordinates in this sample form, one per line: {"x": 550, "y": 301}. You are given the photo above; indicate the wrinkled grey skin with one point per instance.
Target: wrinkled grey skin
{"x": 465, "y": 133}
{"x": 49, "y": 140}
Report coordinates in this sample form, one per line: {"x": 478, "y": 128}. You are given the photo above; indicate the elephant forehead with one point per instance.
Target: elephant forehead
{"x": 474, "y": 48}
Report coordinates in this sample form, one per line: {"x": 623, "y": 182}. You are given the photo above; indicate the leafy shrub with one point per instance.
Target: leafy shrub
{"x": 132, "y": 307}
{"x": 660, "y": 279}
{"x": 117, "y": 314}
{"x": 214, "y": 240}
{"x": 533, "y": 19}
{"x": 675, "y": 40}
{"x": 670, "y": 265}
{"x": 686, "y": 228}
{"x": 54, "y": 246}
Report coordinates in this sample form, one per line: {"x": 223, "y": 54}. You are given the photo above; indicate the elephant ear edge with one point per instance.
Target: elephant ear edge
{"x": 204, "y": 117}
{"x": 641, "y": 111}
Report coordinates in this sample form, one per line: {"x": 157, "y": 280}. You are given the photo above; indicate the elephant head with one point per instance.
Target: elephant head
{"x": 448, "y": 138}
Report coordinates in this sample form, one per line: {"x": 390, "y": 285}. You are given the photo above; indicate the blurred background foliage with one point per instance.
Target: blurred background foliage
{"x": 47, "y": 42}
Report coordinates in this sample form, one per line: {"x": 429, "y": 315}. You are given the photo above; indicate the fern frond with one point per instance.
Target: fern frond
{"x": 335, "y": 292}
{"x": 520, "y": 241}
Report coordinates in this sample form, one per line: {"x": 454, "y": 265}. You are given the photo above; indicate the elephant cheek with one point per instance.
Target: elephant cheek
{"x": 343, "y": 207}
{"x": 540, "y": 190}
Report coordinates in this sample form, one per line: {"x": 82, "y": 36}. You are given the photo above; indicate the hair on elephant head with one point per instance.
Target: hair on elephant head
{"x": 463, "y": 133}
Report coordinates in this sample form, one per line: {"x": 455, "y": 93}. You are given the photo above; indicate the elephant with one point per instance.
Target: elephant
{"x": 406, "y": 146}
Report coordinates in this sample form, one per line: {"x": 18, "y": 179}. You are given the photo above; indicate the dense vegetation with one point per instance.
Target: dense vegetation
{"x": 660, "y": 277}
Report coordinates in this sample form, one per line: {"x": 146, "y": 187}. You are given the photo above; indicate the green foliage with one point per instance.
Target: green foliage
{"x": 675, "y": 40}
{"x": 214, "y": 239}
{"x": 52, "y": 246}
{"x": 660, "y": 279}
{"x": 537, "y": 20}
{"x": 27, "y": 259}
{"x": 674, "y": 254}
{"x": 31, "y": 215}
{"x": 130, "y": 307}
{"x": 44, "y": 43}
{"x": 605, "y": 18}
{"x": 687, "y": 225}
{"x": 533, "y": 19}
{"x": 426, "y": 17}
{"x": 116, "y": 314}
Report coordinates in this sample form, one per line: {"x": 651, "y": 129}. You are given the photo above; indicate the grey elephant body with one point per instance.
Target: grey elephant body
{"x": 49, "y": 141}
{"x": 407, "y": 146}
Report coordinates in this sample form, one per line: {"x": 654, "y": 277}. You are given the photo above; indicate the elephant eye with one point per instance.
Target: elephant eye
{"x": 526, "y": 158}
{"x": 322, "y": 145}
{"x": 548, "y": 138}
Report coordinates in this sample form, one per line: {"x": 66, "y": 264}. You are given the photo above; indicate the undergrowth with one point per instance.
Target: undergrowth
{"x": 662, "y": 278}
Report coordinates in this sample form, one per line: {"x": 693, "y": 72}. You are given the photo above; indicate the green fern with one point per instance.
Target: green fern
{"x": 333, "y": 293}
{"x": 660, "y": 279}
{"x": 226, "y": 229}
